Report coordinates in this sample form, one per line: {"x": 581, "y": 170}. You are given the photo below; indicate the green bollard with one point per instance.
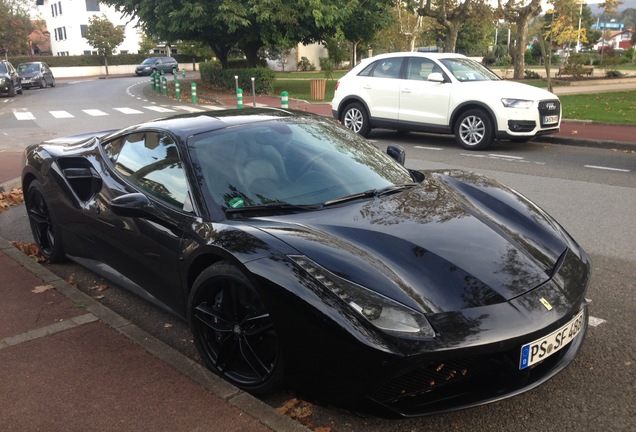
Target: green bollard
{"x": 152, "y": 80}
{"x": 164, "y": 85}
{"x": 239, "y": 98}
{"x": 158, "y": 82}
{"x": 177, "y": 90}
{"x": 284, "y": 100}
{"x": 194, "y": 92}
{"x": 183, "y": 75}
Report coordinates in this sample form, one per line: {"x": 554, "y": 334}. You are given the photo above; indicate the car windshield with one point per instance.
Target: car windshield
{"x": 465, "y": 69}
{"x": 290, "y": 162}
{"x": 149, "y": 61}
{"x": 29, "y": 67}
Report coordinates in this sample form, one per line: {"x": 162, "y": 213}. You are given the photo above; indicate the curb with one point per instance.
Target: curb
{"x": 245, "y": 402}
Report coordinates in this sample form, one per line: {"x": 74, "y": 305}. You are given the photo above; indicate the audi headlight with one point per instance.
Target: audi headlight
{"x": 383, "y": 312}
{"x": 517, "y": 103}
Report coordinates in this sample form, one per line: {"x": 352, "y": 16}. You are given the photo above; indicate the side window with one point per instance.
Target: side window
{"x": 151, "y": 162}
{"x": 388, "y": 68}
{"x": 419, "y": 68}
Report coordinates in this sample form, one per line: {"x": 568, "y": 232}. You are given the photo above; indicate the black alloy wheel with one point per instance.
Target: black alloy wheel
{"x": 43, "y": 83}
{"x": 43, "y": 226}
{"x": 233, "y": 331}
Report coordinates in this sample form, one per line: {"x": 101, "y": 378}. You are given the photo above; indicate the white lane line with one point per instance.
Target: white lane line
{"x": 61, "y": 114}
{"x": 158, "y": 108}
{"x": 24, "y": 116}
{"x": 595, "y": 322}
{"x": 428, "y": 148}
{"x": 95, "y": 112}
{"x": 606, "y": 168}
{"x": 187, "y": 108}
{"x": 128, "y": 111}
{"x": 505, "y": 156}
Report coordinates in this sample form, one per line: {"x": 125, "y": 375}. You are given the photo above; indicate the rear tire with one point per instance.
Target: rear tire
{"x": 43, "y": 223}
{"x": 474, "y": 130}
{"x": 355, "y": 118}
{"x": 233, "y": 331}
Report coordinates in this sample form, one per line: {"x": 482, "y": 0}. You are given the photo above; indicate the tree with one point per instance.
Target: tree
{"x": 364, "y": 21}
{"x": 15, "y": 27}
{"x": 102, "y": 35}
{"x": 519, "y": 13}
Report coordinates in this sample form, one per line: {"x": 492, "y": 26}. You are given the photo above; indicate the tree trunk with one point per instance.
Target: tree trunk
{"x": 106, "y": 63}
{"x": 250, "y": 50}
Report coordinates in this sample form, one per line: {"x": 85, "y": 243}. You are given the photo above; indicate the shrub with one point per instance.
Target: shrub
{"x": 305, "y": 65}
{"x": 219, "y": 78}
{"x": 530, "y": 74}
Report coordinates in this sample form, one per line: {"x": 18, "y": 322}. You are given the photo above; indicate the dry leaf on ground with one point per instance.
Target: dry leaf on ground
{"x": 42, "y": 288}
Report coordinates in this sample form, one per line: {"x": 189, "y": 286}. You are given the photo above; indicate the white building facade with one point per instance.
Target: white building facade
{"x": 67, "y": 21}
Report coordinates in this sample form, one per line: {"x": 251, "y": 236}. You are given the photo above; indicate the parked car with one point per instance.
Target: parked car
{"x": 10, "y": 82}
{"x": 302, "y": 255}
{"x": 157, "y": 64}
{"x": 36, "y": 74}
{"x": 442, "y": 93}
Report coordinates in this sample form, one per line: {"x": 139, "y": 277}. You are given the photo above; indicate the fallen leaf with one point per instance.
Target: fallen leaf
{"x": 102, "y": 287}
{"x": 42, "y": 288}
{"x": 574, "y": 132}
{"x": 167, "y": 325}
{"x": 71, "y": 281}
{"x": 99, "y": 297}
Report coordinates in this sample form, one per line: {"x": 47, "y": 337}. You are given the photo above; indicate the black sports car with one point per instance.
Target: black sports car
{"x": 302, "y": 255}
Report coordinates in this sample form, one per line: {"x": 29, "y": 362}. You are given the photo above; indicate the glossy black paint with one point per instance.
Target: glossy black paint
{"x": 471, "y": 255}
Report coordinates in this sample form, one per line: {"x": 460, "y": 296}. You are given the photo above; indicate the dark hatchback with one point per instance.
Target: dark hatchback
{"x": 303, "y": 256}
{"x": 157, "y": 64}
{"x": 10, "y": 82}
{"x": 36, "y": 74}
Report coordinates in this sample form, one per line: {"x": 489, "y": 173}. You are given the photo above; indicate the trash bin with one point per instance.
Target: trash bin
{"x": 318, "y": 88}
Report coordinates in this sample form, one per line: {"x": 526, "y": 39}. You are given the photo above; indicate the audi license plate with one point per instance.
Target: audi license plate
{"x": 536, "y": 351}
{"x": 550, "y": 119}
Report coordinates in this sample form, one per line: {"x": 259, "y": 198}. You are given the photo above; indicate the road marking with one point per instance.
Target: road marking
{"x": 187, "y": 108}
{"x": 158, "y": 108}
{"x": 505, "y": 156}
{"x": 48, "y": 330}
{"x": 23, "y": 115}
{"x": 128, "y": 111}
{"x": 428, "y": 148}
{"x": 61, "y": 114}
{"x": 95, "y": 112}
{"x": 606, "y": 168}
{"x": 595, "y": 322}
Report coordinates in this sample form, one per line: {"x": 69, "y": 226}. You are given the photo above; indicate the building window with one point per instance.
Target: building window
{"x": 83, "y": 28}
{"x": 54, "y": 9}
{"x": 59, "y": 7}
{"x": 92, "y": 5}
{"x": 60, "y": 33}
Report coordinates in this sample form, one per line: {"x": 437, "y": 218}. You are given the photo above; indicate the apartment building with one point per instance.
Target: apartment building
{"x": 67, "y": 20}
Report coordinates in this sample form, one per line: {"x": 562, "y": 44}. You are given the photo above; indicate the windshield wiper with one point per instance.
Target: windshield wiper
{"x": 372, "y": 193}
{"x": 274, "y": 207}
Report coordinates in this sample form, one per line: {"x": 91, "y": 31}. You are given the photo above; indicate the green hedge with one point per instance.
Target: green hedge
{"x": 212, "y": 74}
{"x": 93, "y": 60}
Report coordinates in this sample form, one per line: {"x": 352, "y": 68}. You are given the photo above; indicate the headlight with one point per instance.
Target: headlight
{"x": 517, "y": 103}
{"x": 2, "y": 80}
{"x": 383, "y": 312}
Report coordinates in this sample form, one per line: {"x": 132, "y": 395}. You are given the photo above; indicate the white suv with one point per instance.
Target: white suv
{"x": 442, "y": 93}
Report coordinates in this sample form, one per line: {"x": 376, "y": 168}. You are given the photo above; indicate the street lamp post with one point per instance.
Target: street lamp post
{"x": 578, "y": 35}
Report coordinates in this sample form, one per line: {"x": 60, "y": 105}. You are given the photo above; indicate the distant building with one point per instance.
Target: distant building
{"x": 615, "y": 39}
{"x": 67, "y": 20}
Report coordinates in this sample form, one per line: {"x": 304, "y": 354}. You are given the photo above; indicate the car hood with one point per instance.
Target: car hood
{"x": 458, "y": 240}
{"x": 504, "y": 89}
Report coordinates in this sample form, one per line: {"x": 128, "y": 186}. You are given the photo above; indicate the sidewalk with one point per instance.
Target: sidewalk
{"x": 70, "y": 364}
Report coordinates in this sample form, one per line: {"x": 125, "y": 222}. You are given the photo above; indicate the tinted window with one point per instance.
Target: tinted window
{"x": 387, "y": 68}
{"x": 151, "y": 162}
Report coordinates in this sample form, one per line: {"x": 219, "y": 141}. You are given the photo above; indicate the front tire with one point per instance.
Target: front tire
{"x": 355, "y": 117}
{"x": 474, "y": 130}
{"x": 11, "y": 90}
{"x": 43, "y": 224}
{"x": 43, "y": 83}
{"x": 233, "y": 331}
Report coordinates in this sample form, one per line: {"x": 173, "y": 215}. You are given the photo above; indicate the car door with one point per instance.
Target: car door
{"x": 379, "y": 87}
{"x": 423, "y": 102}
{"x": 145, "y": 250}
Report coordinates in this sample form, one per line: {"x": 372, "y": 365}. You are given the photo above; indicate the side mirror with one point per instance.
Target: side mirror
{"x": 436, "y": 77}
{"x": 131, "y": 205}
{"x": 396, "y": 152}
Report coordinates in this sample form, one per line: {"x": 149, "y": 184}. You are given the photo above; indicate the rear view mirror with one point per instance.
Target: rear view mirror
{"x": 396, "y": 152}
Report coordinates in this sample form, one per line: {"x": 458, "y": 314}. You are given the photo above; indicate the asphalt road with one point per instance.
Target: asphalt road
{"x": 596, "y": 205}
